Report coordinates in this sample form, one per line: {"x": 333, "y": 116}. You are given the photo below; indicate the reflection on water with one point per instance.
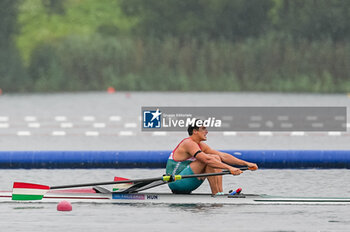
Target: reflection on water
{"x": 28, "y": 207}
{"x": 195, "y": 208}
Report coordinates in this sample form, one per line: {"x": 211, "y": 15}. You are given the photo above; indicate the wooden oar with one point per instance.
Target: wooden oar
{"x": 29, "y": 191}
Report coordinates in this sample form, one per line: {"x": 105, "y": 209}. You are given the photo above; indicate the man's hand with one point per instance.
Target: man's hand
{"x": 235, "y": 171}
{"x": 252, "y": 166}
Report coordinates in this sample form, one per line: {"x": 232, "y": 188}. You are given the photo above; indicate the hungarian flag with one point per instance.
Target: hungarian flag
{"x": 121, "y": 187}
{"x": 27, "y": 191}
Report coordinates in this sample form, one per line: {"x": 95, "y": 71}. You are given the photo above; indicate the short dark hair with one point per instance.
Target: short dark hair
{"x": 193, "y": 127}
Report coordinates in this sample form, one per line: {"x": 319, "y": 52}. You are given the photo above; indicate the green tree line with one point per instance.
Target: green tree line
{"x": 182, "y": 45}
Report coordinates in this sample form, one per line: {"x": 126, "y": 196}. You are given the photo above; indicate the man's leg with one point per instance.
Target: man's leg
{"x": 215, "y": 182}
{"x": 186, "y": 186}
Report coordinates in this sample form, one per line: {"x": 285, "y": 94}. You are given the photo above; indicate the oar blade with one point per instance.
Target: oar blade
{"x": 123, "y": 186}
{"x": 27, "y": 191}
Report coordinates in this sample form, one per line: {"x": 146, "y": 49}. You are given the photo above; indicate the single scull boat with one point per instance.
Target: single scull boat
{"x": 94, "y": 195}
{"x": 129, "y": 192}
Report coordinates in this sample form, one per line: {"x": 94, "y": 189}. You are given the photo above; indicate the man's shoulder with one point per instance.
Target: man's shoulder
{"x": 188, "y": 142}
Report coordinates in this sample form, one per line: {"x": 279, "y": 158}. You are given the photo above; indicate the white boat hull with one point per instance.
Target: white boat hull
{"x": 168, "y": 198}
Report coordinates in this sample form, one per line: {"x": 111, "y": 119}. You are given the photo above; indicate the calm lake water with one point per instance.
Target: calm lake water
{"x": 105, "y": 217}
{"x": 100, "y": 121}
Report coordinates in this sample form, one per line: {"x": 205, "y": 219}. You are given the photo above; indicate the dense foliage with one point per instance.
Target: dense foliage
{"x": 184, "y": 45}
{"x": 12, "y": 72}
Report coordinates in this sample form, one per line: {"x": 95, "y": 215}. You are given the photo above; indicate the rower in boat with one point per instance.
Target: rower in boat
{"x": 193, "y": 156}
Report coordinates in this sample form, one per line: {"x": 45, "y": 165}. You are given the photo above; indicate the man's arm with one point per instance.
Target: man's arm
{"x": 193, "y": 149}
{"x": 229, "y": 159}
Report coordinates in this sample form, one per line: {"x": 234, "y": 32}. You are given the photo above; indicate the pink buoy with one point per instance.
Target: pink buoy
{"x": 64, "y": 206}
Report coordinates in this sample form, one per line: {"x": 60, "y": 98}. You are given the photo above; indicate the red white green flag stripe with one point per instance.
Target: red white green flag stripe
{"x": 117, "y": 187}
{"x": 27, "y": 191}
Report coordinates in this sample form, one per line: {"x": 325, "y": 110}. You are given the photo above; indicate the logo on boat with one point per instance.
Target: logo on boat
{"x": 128, "y": 196}
{"x": 152, "y": 119}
